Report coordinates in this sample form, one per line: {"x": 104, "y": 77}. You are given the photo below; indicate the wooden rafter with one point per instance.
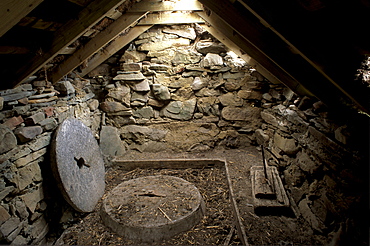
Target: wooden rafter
{"x": 114, "y": 46}
{"x": 99, "y": 41}
{"x": 67, "y": 34}
{"x": 155, "y": 6}
{"x": 12, "y": 11}
{"x": 170, "y": 18}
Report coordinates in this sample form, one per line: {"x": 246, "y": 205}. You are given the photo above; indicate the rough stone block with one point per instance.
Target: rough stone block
{"x": 26, "y": 134}
{"x": 9, "y": 226}
{"x": 13, "y": 122}
{"x": 205, "y": 47}
{"x": 161, "y": 92}
{"x": 35, "y": 119}
{"x": 32, "y": 198}
{"x": 48, "y": 124}
{"x": 49, "y": 111}
{"x": 4, "y": 215}
{"x": 110, "y": 142}
{"x": 309, "y": 216}
{"x": 240, "y": 113}
{"x": 21, "y": 162}
{"x": 112, "y": 107}
{"x": 28, "y": 174}
{"x": 130, "y": 76}
{"x": 230, "y": 99}
{"x": 1, "y": 103}
{"x": 180, "y": 110}
{"x": 287, "y": 145}
{"x": 146, "y": 112}
{"x": 141, "y": 86}
{"x": 8, "y": 140}
{"x": 65, "y": 88}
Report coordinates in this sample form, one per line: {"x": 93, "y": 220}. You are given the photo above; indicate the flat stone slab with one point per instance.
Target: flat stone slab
{"x": 152, "y": 208}
{"x": 78, "y": 165}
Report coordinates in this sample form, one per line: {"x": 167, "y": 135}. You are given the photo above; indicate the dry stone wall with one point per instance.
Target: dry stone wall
{"x": 29, "y": 115}
{"x": 173, "y": 90}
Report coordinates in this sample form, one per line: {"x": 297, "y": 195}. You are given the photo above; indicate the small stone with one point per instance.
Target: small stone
{"x": 155, "y": 103}
{"x": 198, "y": 84}
{"x": 132, "y": 56}
{"x": 49, "y": 124}
{"x": 9, "y": 226}
{"x": 111, "y": 107}
{"x": 93, "y": 105}
{"x": 287, "y": 145}
{"x": 1, "y": 103}
{"x": 212, "y": 60}
{"x": 13, "y": 122}
{"x": 161, "y": 92}
{"x": 35, "y": 119}
{"x": 25, "y": 134}
{"x": 205, "y": 47}
{"x": 144, "y": 112}
{"x": 110, "y": 142}
{"x": 65, "y": 88}
{"x": 230, "y": 99}
{"x": 130, "y": 76}
{"x": 129, "y": 67}
{"x": 4, "y": 215}
{"x": 8, "y": 140}
{"x": 141, "y": 86}
{"x": 230, "y": 75}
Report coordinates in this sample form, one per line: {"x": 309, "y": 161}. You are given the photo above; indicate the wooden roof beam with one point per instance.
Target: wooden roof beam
{"x": 66, "y": 35}
{"x": 113, "y": 47}
{"x": 99, "y": 41}
{"x": 155, "y": 6}
{"x": 170, "y": 19}
{"x": 12, "y": 11}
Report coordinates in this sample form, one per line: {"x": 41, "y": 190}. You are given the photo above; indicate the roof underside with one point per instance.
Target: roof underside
{"x": 313, "y": 47}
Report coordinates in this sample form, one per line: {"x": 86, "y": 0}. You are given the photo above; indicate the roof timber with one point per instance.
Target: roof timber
{"x": 100, "y": 40}
{"x": 170, "y": 19}
{"x": 112, "y": 48}
{"x": 12, "y": 11}
{"x": 147, "y": 5}
{"x": 67, "y": 34}
{"x": 279, "y": 51}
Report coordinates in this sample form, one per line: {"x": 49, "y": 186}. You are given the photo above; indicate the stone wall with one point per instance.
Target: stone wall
{"x": 173, "y": 90}
{"x": 30, "y": 202}
{"x": 176, "y": 88}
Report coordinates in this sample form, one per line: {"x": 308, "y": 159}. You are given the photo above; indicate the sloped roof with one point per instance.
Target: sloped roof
{"x": 313, "y": 47}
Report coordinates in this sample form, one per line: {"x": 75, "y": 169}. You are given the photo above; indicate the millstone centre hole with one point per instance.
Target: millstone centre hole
{"x": 81, "y": 162}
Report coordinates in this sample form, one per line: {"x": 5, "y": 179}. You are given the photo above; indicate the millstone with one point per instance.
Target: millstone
{"x": 152, "y": 208}
{"x": 78, "y": 165}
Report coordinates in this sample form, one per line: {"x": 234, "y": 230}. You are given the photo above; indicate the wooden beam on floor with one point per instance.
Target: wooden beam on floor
{"x": 12, "y": 11}
{"x": 248, "y": 51}
{"x": 99, "y": 41}
{"x": 155, "y": 6}
{"x": 170, "y": 19}
{"x": 114, "y": 46}
{"x": 66, "y": 35}
{"x": 279, "y": 52}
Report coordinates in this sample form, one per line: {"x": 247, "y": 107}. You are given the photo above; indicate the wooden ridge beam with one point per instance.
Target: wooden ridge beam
{"x": 114, "y": 46}
{"x": 279, "y": 52}
{"x": 67, "y": 34}
{"x": 12, "y": 11}
{"x": 170, "y": 19}
{"x": 183, "y": 5}
{"x": 100, "y": 40}
{"x": 251, "y": 54}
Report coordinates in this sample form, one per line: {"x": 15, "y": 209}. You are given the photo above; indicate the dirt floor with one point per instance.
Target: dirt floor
{"x": 217, "y": 226}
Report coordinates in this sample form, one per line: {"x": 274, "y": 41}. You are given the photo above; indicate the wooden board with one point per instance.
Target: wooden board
{"x": 281, "y": 196}
{"x": 184, "y": 5}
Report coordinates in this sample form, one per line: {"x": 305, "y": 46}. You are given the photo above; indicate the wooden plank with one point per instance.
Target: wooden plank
{"x": 100, "y": 40}
{"x": 12, "y": 11}
{"x": 80, "y": 2}
{"x": 155, "y": 6}
{"x": 258, "y": 60}
{"x": 66, "y": 35}
{"x": 114, "y": 46}
{"x": 129, "y": 165}
{"x": 281, "y": 200}
{"x": 171, "y": 19}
